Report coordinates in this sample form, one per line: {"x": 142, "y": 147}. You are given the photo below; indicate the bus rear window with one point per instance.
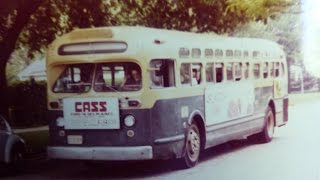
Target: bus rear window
{"x": 75, "y": 78}
{"x": 117, "y": 77}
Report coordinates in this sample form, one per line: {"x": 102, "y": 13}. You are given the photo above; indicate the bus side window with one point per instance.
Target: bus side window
{"x": 276, "y": 69}
{"x": 209, "y": 72}
{"x": 219, "y": 72}
{"x": 246, "y": 70}
{"x": 272, "y": 73}
{"x": 162, "y": 73}
{"x": 196, "y": 74}
{"x": 230, "y": 71}
{"x": 185, "y": 75}
{"x": 238, "y": 71}
{"x": 265, "y": 70}
{"x": 256, "y": 71}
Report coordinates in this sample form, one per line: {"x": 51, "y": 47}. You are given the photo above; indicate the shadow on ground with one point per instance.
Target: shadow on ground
{"x": 132, "y": 169}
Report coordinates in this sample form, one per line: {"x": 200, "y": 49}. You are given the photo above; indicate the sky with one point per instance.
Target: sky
{"x": 311, "y": 36}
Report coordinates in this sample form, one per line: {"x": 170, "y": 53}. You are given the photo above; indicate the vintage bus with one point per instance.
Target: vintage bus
{"x": 136, "y": 93}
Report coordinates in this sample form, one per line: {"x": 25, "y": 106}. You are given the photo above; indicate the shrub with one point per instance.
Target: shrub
{"x": 28, "y": 103}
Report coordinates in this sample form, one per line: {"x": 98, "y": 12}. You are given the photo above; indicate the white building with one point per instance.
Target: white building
{"x": 36, "y": 69}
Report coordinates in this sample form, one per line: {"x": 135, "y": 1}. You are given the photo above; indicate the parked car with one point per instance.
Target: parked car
{"x": 12, "y": 147}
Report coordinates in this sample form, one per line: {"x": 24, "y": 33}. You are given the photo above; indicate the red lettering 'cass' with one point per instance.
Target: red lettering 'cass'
{"x": 94, "y": 107}
{"x": 103, "y": 106}
{"x": 91, "y": 106}
{"x": 77, "y": 106}
{"x": 86, "y": 107}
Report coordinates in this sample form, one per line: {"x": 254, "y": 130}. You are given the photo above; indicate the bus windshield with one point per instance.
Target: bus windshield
{"x": 77, "y": 78}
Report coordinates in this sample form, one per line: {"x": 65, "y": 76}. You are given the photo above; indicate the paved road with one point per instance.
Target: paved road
{"x": 293, "y": 154}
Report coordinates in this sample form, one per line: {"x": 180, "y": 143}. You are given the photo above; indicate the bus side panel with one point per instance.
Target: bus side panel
{"x": 241, "y": 127}
{"x": 168, "y": 117}
{"x": 228, "y": 101}
{"x": 233, "y": 130}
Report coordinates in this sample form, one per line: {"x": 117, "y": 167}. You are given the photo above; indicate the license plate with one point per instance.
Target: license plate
{"x": 75, "y": 139}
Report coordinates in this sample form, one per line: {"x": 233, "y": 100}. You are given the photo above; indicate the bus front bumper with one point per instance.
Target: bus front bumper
{"x": 101, "y": 153}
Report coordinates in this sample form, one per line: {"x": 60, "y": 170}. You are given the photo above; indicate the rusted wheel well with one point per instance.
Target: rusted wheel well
{"x": 197, "y": 119}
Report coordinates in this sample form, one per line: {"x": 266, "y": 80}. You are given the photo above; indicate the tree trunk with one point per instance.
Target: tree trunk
{"x": 10, "y": 36}
{"x": 3, "y": 90}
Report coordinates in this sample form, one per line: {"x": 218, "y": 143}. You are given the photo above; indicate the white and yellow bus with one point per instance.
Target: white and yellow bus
{"x": 135, "y": 93}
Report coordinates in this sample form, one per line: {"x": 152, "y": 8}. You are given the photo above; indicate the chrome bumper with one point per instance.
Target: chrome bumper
{"x": 101, "y": 153}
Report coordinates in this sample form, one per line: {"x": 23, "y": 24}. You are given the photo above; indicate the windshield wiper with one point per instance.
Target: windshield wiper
{"x": 114, "y": 90}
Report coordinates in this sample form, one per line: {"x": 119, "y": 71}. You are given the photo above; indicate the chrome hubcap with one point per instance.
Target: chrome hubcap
{"x": 193, "y": 145}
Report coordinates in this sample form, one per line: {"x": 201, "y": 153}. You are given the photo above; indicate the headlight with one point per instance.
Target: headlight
{"x": 129, "y": 121}
{"x": 60, "y": 122}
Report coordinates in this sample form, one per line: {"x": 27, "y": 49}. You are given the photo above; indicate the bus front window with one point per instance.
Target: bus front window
{"x": 74, "y": 79}
{"x": 117, "y": 77}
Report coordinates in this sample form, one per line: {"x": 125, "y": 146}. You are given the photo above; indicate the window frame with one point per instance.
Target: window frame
{"x": 254, "y": 71}
{"x": 124, "y": 87}
{"x": 164, "y": 62}
{"x": 212, "y": 66}
{"x": 265, "y": 70}
{"x": 235, "y": 70}
{"x": 65, "y": 74}
{"x": 189, "y": 74}
{"x": 230, "y": 72}
{"x": 222, "y": 71}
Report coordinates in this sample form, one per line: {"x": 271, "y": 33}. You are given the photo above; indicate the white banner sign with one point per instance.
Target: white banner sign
{"x": 91, "y": 113}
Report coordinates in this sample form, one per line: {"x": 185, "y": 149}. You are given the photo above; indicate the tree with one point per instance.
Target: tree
{"x": 185, "y": 15}
{"x": 286, "y": 30}
{"x": 15, "y": 16}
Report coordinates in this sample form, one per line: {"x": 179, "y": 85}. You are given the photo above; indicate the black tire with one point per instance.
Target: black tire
{"x": 17, "y": 163}
{"x": 192, "y": 147}
{"x": 266, "y": 134}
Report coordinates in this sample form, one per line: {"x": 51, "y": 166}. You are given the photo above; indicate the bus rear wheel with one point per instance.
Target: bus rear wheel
{"x": 192, "y": 147}
{"x": 266, "y": 134}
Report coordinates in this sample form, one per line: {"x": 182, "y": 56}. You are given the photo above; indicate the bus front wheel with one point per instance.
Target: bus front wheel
{"x": 192, "y": 147}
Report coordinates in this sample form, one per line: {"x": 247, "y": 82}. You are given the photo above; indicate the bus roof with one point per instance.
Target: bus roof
{"x": 170, "y": 41}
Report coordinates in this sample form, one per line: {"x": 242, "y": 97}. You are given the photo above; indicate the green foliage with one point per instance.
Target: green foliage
{"x": 18, "y": 61}
{"x": 186, "y": 15}
{"x": 258, "y": 10}
{"x": 56, "y": 17}
{"x": 28, "y": 103}
{"x": 286, "y": 30}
